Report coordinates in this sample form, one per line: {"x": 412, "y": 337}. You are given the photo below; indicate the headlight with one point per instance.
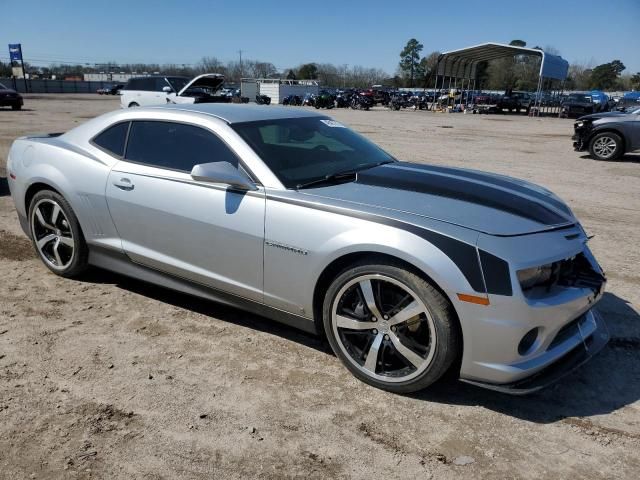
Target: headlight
{"x": 579, "y": 124}
{"x": 530, "y": 277}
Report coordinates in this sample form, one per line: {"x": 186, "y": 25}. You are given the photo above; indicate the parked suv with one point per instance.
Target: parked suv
{"x": 609, "y": 135}
{"x": 160, "y": 90}
{"x": 515, "y": 101}
{"x": 10, "y": 98}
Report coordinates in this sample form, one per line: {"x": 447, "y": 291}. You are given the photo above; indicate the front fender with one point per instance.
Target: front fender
{"x": 301, "y": 242}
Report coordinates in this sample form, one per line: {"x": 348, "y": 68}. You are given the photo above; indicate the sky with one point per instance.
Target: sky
{"x": 370, "y": 33}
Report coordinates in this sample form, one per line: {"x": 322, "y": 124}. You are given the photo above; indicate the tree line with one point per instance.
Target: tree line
{"x": 326, "y": 73}
{"x": 414, "y": 70}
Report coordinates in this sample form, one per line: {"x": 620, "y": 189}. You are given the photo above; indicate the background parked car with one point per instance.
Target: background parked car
{"x": 110, "y": 89}
{"x": 609, "y": 135}
{"x": 515, "y": 101}
{"x": 631, "y": 99}
{"x": 577, "y": 104}
{"x": 160, "y": 90}
{"x": 10, "y": 98}
{"x": 115, "y": 90}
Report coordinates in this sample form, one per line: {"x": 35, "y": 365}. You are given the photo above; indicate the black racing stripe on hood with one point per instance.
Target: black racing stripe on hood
{"x": 492, "y": 179}
{"x": 460, "y": 189}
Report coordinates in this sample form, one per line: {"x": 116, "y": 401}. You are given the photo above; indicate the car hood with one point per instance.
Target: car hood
{"x": 485, "y": 202}
{"x": 597, "y": 116}
{"x": 7, "y": 90}
{"x": 211, "y": 81}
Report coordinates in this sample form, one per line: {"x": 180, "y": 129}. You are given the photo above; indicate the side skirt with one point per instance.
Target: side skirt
{"x": 119, "y": 263}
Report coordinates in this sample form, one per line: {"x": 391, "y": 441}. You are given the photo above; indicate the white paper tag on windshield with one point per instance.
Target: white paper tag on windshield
{"x": 333, "y": 123}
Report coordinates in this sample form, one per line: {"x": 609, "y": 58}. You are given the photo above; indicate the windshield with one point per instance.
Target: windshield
{"x": 3, "y": 87}
{"x": 579, "y": 98}
{"x": 301, "y": 150}
{"x": 178, "y": 83}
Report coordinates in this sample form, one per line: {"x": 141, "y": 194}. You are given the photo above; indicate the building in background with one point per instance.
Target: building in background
{"x": 277, "y": 88}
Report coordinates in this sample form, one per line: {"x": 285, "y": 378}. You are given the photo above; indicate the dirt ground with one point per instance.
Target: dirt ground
{"x": 107, "y": 377}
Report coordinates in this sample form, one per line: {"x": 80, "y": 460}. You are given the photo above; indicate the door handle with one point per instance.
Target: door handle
{"x": 123, "y": 184}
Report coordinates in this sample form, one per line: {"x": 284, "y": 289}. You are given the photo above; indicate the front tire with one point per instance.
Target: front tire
{"x": 56, "y": 234}
{"x": 391, "y": 328}
{"x": 606, "y": 146}
{"x": 133, "y": 105}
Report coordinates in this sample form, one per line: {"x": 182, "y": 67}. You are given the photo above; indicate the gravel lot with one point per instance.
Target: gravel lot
{"x": 111, "y": 378}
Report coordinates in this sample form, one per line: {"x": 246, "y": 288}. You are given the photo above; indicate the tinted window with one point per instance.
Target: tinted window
{"x": 134, "y": 84}
{"x": 159, "y": 84}
{"x": 175, "y": 145}
{"x": 113, "y": 139}
{"x": 148, "y": 84}
{"x": 306, "y": 149}
{"x": 145, "y": 84}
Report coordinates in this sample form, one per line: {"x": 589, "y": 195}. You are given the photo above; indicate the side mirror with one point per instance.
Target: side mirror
{"x": 222, "y": 172}
{"x": 167, "y": 89}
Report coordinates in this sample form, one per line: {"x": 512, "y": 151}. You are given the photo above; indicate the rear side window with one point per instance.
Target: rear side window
{"x": 133, "y": 84}
{"x": 147, "y": 84}
{"x": 113, "y": 139}
{"x": 159, "y": 84}
{"x": 175, "y": 146}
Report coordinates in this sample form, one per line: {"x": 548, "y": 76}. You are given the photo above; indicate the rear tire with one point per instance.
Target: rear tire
{"x": 56, "y": 234}
{"x": 16, "y": 107}
{"x": 380, "y": 308}
{"x": 606, "y": 146}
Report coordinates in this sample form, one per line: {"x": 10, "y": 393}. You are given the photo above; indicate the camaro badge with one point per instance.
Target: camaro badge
{"x": 286, "y": 247}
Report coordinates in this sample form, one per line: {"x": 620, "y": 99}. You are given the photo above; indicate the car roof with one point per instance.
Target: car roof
{"x": 239, "y": 113}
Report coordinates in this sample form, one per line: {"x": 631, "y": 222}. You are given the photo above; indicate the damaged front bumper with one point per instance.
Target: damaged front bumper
{"x": 581, "y": 137}
{"x": 590, "y": 334}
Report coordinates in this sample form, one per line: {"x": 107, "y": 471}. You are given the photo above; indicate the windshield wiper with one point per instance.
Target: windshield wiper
{"x": 332, "y": 177}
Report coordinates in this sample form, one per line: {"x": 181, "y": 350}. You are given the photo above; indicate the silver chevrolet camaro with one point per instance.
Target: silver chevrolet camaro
{"x": 409, "y": 270}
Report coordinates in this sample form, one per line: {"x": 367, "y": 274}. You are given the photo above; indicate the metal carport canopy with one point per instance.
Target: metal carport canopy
{"x": 462, "y": 63}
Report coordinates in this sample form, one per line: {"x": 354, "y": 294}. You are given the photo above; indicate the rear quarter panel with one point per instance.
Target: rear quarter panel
{"x": 77, "y": 174}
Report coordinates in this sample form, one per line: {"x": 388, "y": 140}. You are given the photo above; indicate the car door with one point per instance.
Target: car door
{"x": 150, "y": 92}
{"x": 203, "y": 232}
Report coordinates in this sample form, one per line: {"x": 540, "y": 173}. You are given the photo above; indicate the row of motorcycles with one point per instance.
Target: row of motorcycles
{"x": 415, "y": 101}
{"x": 363, "y": 99}
{"x": 325, "y": 99}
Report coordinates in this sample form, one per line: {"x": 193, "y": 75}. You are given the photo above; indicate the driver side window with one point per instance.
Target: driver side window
{"x": 175, "y": 146}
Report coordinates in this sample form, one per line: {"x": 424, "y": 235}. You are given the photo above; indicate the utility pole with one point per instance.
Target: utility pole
{"x": 24, "y": 74}
{"x": 241, "y": 71}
